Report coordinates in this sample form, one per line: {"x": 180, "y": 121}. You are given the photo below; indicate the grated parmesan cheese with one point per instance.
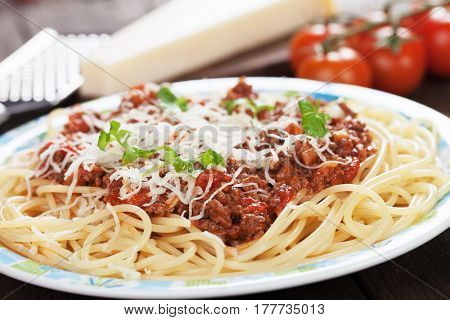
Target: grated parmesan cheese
{"x": 204, "y": 126}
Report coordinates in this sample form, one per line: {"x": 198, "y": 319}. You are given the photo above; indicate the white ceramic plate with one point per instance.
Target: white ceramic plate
{"x": 432, "y": 224}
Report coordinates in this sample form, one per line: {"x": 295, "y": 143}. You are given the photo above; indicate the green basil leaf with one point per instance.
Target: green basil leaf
{"x": 165, "y": 95}
{"x": 142, "y": 153}
{"x": 133, "y": 153}
{"x": 152, "y": 169}
{"x": 306, "y": 106}
{"x": 182, "y": 104}
{"x": 103, "y": 140}
{"x": 114, "y": 127}
{"x": 114, "y": 134}
{"x": 170, "y": 155}
{"x": 181, "y": 165}
{"x": 168, "y": 99}
{"x": 291, "y": 94}
{"x": 230, "y": 105}
{"x": 266, "y": 107}
{"x": 313, "y": 121}
{"x": 172, "y": 158}
{"x": 256, "y": 109}
{"x": 211, "y": 158}
{"x": 129, "y": 156}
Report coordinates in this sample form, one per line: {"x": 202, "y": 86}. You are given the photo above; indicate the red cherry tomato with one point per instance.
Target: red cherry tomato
{"x": 360, "y": 41}
{"x": 344, "y": 65}
{"x": 303, "y": 42}
{"x": 398, "y": 65}
{"x": 434, "y": 27}
{"x": 376, "y": 16}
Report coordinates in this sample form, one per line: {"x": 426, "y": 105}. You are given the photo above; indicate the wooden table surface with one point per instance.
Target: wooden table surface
{"x": 420, "y": 274}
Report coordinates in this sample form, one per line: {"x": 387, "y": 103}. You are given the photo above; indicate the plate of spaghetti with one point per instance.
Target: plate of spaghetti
{"x": 220, "y": 187}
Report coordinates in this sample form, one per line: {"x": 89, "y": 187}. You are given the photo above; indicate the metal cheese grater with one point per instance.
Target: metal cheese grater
{"x": 44, "y": 71}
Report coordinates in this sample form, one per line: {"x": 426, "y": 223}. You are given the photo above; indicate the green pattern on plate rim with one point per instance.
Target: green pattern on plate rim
{"x": 298, "y": 269}
{"x": 104, "y": 282}
{"x": 32, "y": 267}
{"x": 204, "y": 282}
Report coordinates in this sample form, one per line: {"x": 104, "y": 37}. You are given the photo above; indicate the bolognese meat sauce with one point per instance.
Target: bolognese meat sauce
{"x": 240, "y": 214}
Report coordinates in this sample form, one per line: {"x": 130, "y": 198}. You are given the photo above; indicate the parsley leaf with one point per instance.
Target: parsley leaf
{"x": 307, "y": 106}
{"x": 256, "y": 109}
{"x": 103, "y": 140}
{"x": 181, "y": 165}
{"x": 165, "y": 95}
{"x": 114, "y": 134}
{"x": 133, "y": 153}
{"x": 291, "y": 94}
{"x": 211, "y": 158}
{"x": 129, "y": 156}
{"x": 152, "y": 169}
{"x": 121, "y": 136}
{"x": 182, "y": 104}
{"x": 168, "y": 98}
{"x": 172, "y": 158}
{"x": 313, "y": 121}
{"x": 230, "y": 105}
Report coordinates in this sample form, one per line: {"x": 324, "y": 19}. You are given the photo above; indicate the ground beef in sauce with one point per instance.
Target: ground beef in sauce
{"x": 76, "y": 123}
{"x": 241, "y": 90}
{"x": 239, "y": 215}
{"x": 161, "y": 207}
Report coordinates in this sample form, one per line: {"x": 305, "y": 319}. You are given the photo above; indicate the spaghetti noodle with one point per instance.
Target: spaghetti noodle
{"x": 106, "y": 197}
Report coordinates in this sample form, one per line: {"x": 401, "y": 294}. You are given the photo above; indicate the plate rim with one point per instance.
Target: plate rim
{"x": 267, "y": 281}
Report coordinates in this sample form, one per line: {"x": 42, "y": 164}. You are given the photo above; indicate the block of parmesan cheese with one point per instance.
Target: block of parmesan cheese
{"x": 184, "y": 35}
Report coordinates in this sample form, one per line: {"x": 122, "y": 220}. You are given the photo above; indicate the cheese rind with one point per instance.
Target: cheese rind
{"x": 182, "y": 36}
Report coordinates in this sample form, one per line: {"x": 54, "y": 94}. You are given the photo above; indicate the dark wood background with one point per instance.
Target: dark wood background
{"x": 420, "y": 274}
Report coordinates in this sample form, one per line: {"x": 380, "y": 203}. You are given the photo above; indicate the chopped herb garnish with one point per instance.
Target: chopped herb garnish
{"x": 230, "y": 105}
{"x": 129, "y": 156}
{"x": 134, "y": 153}
{"x": 182, "y": 104}
{"x": 103, "y": 140}
{"x": 168, "y": 99}
{"x": 121, "y": 136}
{"x": 165, "y": 95}
{"x": 171, "y": 157}
{"x": 152, "y": 169}
{"x": 114, "y": 134}
{"x": 256, "y": 109}
{"x": 313, "y": 121}
{"x": 291, "y": 94}
{"x": 211, "y": 158}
